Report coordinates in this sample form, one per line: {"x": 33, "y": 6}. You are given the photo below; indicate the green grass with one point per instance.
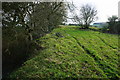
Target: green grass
{"x": 78, "y": 54}
{"x": 94, "y": 28}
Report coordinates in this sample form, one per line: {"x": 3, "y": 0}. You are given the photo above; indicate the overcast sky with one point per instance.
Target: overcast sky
{"x": 106, "y": 8}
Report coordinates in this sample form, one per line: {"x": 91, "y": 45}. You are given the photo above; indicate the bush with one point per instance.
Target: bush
{"x": 104, "y": 29}
{"x": 15, "y": 50}
{"x": 117, "y": 28}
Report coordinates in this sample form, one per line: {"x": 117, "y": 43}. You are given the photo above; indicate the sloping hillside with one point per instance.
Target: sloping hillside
{"x": 74, "y": 53}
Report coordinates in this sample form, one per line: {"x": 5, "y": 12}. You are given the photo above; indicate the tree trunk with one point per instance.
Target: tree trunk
{"x": 86, "y": 26}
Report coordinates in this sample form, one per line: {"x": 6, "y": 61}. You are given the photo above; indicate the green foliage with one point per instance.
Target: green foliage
{"x": 15, "y": 48}
{"x": 117, "y": 27}
{"x": 78, "y": 54}
{"x": 113, "y": 24}
{"x": 105, "y": 29}
{"x": 23, "y": 22}
{"x": 47, "y": 16}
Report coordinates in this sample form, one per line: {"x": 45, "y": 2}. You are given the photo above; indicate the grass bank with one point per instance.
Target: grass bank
{"x": 74, "y": 53}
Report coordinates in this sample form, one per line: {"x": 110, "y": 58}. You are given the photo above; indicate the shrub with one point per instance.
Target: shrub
{"x": 117, "y": 28}
{"x": 104, "y": 29}
{"x": 15, "y": 50}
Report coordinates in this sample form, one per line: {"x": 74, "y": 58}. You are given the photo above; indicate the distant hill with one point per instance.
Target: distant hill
{"x": 100, "y": 24}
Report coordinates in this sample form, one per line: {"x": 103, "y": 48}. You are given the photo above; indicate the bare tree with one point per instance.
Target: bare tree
{"x": 73, "y": 15}
{"x": 88, "y": 15}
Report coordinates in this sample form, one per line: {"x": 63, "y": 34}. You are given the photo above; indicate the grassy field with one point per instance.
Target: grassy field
{"x": 70, "y": 52}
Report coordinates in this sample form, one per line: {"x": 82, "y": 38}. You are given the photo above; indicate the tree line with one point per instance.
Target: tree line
{"x": 22, "y": 24}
